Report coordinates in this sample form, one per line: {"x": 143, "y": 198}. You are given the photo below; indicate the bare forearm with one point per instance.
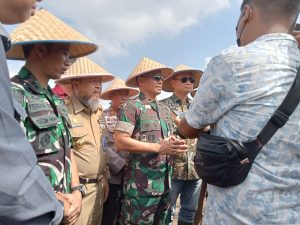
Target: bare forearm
{"x": 187, "y": 131}
{"x": 135, "y": 146}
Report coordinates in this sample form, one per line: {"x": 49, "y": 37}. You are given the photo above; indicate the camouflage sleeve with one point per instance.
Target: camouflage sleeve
{"x": 19, "y": 94}
{"x": 19, "y": 97}
{"x": 127, "y": 117}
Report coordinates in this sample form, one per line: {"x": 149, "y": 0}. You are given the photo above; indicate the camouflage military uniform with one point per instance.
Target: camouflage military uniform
{"x": 46, "y": 128}
{"x": 183, "y": 168}
{"x": 185, "y": 180}
{"x": 147, "y": 178}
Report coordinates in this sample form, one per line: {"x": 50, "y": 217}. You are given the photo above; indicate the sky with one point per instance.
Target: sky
{"x": 171, "y": 32}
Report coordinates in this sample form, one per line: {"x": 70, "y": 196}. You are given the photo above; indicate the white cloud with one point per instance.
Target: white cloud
{"x": 116, "y": 24}
{"x": 206, "y": 61}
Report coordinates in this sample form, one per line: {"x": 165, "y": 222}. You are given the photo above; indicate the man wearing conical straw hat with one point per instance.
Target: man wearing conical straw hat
{"x": 85, "y": 78}
{"x": 185, "y": 180}
{"x": 26, "y": 195}
{"x": 118, "y": 93}
{"x": 144, "y": 129}
{"x": 47, "y": 44}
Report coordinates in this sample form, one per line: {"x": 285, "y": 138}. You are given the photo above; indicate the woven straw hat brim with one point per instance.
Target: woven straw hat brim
{"x": 84, "y": 67}
{"x": 196, "y": 74}
{"x": 44, "y": 27}
{"x": 104, "y": 78}
{"x": 106, "y": 94}
{"x": 77, "y": 48}
{"x": 165, "y": 71}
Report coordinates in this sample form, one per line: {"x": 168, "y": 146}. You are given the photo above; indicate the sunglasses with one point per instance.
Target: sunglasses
{"x": 157, "y": 77}
{"x": 185, "y": 79}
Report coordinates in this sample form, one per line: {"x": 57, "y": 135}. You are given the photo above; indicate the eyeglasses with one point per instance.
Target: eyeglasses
{"x": 157, "y": 77}
{"x": 185, "y": 79}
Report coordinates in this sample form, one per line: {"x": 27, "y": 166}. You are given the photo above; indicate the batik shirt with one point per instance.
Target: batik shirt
{"x": 183, "y": 165}
{"x": 46, "y": 127}
{"x": 240, "y": 90}
{"x": 147, "y": 174}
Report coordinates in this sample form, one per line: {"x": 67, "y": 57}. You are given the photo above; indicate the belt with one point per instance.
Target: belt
{"x": 90, "y": 180}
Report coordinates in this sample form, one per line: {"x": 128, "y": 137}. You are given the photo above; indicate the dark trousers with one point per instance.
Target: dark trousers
{"x": 113, "y": 205}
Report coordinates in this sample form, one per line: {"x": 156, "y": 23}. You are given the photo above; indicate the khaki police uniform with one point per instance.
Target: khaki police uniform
{"x": 92, "y": 163}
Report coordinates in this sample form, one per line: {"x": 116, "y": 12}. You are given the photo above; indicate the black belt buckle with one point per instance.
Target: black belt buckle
{"x": 88, "y": 180}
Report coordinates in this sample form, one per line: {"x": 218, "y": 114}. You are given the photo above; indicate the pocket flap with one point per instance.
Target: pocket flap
{"x": 78, "y": 132}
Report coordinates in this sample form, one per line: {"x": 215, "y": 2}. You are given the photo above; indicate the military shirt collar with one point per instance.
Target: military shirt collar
{"x": 175, "y": 99}
{"x": 144, "y": 99}
{"x": 32, "y": 82}
{"x": 78, "y": 106}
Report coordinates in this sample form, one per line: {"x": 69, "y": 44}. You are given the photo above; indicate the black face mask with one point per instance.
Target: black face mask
{"x": 6, "y": 42}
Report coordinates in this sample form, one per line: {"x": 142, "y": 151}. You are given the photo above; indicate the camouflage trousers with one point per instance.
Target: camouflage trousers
{"x": 146, "y": 210}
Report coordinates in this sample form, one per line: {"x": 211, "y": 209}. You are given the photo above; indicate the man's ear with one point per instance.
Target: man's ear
{"x": 41, "y": 50}
{"x": 247, "y": 14}
{"x": 139, "y": 80}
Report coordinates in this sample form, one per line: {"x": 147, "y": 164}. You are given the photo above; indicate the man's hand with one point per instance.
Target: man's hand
{"x": 172, "y": 146}
{"x": 72, "y": 213}
{"x": 105, "y": 189}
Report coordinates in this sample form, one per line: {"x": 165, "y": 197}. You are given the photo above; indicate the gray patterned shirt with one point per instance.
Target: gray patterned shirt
{"x": 240, "y": 90}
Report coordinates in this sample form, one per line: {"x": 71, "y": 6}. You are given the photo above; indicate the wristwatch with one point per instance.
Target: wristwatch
{"x": 80, "y": 188}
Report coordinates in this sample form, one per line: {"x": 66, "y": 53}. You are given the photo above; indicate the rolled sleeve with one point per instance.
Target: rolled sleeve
{"x": 214, "y": 97}
{"x": 125, "y": 127}
{"x": 127, "y": 118}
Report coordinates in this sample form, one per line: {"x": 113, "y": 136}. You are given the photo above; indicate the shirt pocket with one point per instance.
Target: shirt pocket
{"x": 150, "y": 129}
{"x": 79, "y": 138}
{"x": 44, "y": 135}
{"x": 42, "y": 115}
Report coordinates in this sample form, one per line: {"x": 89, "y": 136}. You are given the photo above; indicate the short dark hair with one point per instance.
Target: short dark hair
{"x": 28, "y": 48}
{"x": 245, "y": 2}
{"x": 277, "y": 9}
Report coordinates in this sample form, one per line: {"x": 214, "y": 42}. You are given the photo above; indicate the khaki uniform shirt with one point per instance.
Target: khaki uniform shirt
{"x": 86, "y": 136}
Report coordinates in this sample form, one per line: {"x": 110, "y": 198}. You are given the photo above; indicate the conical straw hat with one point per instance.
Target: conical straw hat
{"x": 44, "y": 27}
{"x": 117, "y": 85}
{"x": 147, "y": 65}
{"x": 84, "y": 67}
{"x": 180, "y": 69}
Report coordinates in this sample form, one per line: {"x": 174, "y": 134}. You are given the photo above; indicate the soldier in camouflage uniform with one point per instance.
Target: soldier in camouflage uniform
{"x": 118, "y": 93}
{"x": 144, "y": 130}
{"x": 47, "y": 123}
{"x": 185, "y": 180}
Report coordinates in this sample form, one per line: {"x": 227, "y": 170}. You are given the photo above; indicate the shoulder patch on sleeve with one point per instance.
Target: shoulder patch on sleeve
{"x": 19, "y": 94}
